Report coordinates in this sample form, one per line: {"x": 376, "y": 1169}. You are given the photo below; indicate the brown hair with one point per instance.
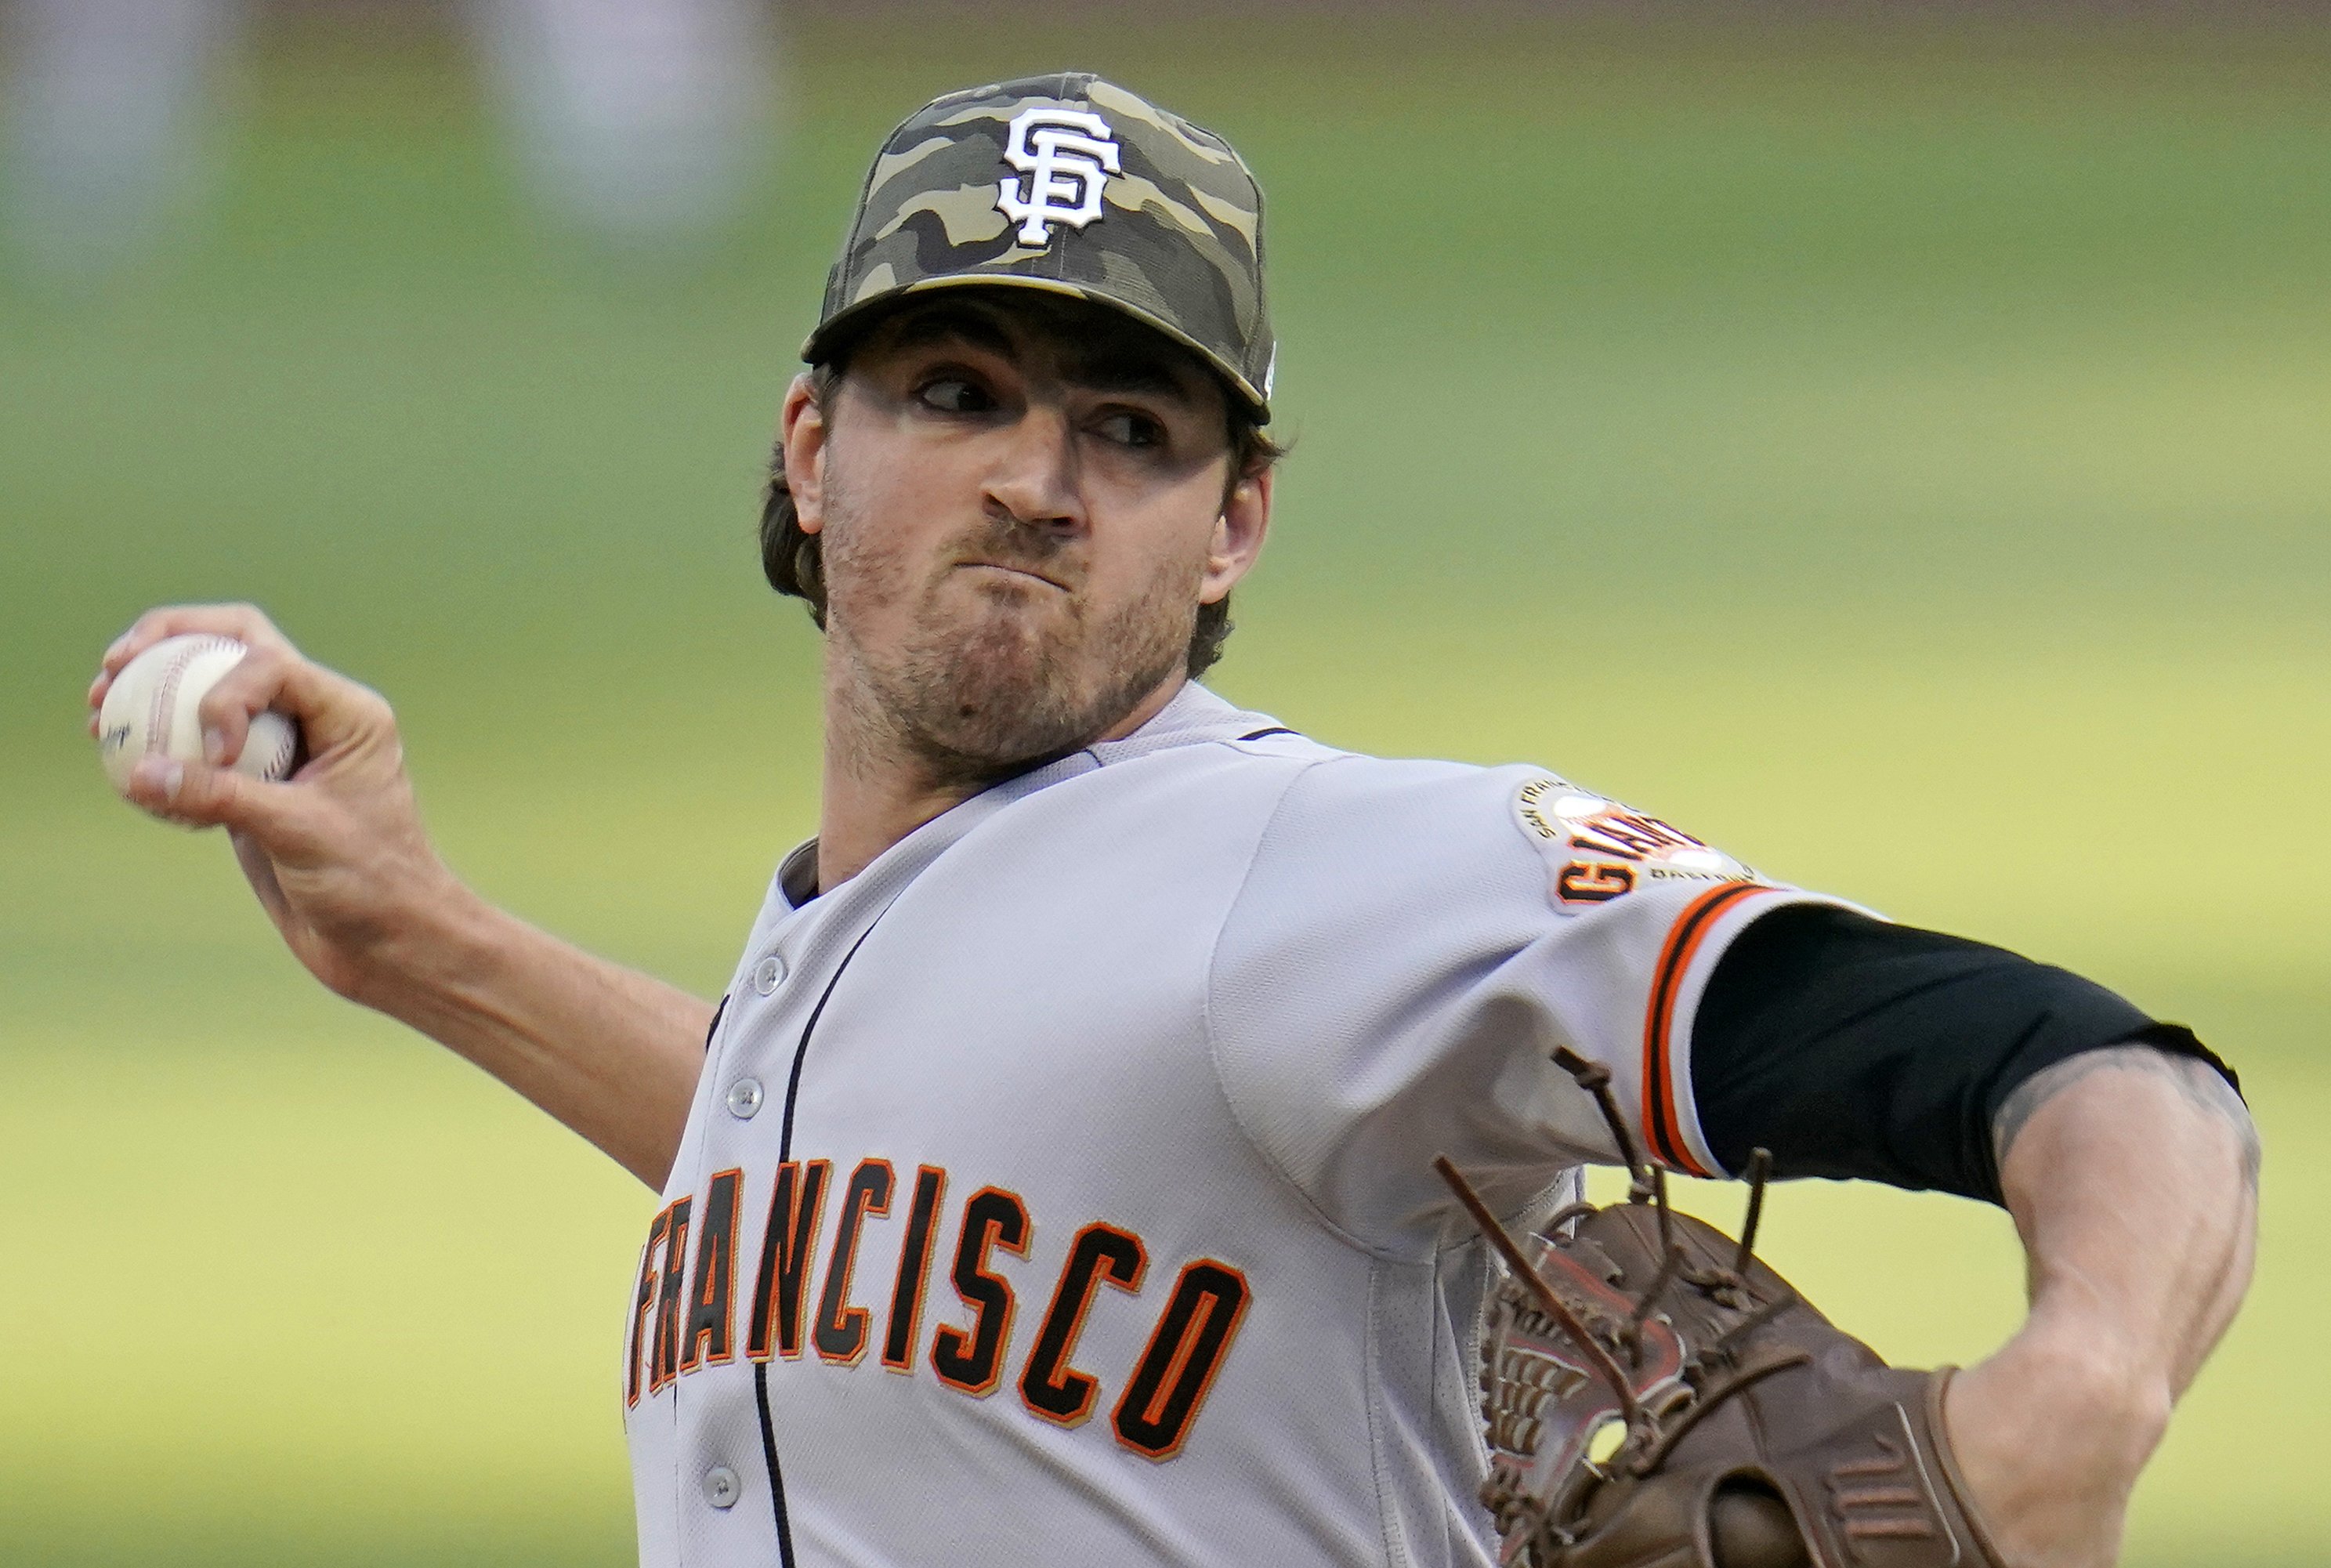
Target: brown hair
{"x": 791, "y": 561}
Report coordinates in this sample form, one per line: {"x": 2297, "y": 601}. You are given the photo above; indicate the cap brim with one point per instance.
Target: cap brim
{"x": 820, "y": 343}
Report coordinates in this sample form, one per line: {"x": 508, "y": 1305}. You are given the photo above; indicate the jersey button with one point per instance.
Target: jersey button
{"x": 721, "y": 1487}
{"x": 767, "y": 973}
{"x": 744, "y": 1098}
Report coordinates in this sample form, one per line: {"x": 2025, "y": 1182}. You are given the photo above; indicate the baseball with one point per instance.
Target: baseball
{"x": 150, "y": 711}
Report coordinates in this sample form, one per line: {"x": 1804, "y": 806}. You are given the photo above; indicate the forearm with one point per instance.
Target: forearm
{"x": 1850, "y": 1047}
{"x": 2132, "y": 1175}
{"x": 340, "y": 860}
{"x": 610, "y": 1051}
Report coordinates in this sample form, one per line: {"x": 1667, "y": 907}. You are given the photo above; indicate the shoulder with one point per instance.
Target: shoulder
{"x": 1404, "y": 852}
{"x": 1431, "y": 820}
{"x": 1350, "y": 791}
{"x": 1441, "y": 857}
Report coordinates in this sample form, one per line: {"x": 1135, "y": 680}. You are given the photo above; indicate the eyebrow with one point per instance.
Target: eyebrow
{"x": 936, "y": 325}
{"x": 1118, "y": 367}
{"x": 1108, "y": 370}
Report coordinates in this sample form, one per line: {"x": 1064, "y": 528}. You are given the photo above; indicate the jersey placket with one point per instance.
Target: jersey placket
{"x": 728, "y": 1480}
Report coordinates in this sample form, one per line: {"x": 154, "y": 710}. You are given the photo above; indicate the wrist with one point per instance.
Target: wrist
{"x": 440, "y": 946}
{"x": 2049, "y": 1439}
{"x": 2106, "y": 1385}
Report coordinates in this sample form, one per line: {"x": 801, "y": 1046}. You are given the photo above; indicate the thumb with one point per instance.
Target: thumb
{"x": 197, "y": 795}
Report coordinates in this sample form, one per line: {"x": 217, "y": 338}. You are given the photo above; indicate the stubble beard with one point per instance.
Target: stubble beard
{"x": 987, "y": 685}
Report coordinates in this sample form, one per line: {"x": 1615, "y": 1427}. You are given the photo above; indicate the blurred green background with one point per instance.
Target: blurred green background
{"x": 1899, "y": 450}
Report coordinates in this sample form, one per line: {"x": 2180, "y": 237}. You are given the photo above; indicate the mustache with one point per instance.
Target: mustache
{"x": 1009, "y": 543}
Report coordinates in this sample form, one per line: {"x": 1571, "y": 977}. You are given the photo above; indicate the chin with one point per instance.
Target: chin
{"x": 990, "y": 691}
{"x": 1005, "y": 672}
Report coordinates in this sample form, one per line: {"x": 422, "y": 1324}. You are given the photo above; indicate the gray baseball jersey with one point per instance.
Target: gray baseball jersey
{"x": 1059, "y": 1190}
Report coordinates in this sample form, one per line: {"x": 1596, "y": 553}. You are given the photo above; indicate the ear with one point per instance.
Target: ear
{"x": 1238, "y": 535}
{"x": 802, "y": 437}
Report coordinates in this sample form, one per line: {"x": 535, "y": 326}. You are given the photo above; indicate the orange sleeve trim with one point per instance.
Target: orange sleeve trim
{"x": 1663, "y": 1113}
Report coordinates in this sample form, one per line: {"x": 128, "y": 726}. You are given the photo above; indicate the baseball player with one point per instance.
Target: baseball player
{"x": 1053, "y": 1183}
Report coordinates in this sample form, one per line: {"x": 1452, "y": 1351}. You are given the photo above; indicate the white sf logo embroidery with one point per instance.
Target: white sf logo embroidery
{"x": 1074, "y": 155}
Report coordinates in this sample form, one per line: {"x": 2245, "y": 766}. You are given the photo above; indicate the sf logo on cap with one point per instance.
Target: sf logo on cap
{"x": 1067, "y": 156}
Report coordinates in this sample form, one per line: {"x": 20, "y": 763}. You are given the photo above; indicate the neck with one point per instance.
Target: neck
{"x": 879, "y": 786}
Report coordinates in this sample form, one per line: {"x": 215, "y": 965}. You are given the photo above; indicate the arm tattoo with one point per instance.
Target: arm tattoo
{"x": 2200, "y": 1084}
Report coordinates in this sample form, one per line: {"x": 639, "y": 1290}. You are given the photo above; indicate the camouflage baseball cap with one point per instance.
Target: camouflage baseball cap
{"x": 1073, "y": 184}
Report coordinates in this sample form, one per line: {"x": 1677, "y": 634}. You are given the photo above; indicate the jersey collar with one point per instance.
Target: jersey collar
{"x": 1194, "y": 717}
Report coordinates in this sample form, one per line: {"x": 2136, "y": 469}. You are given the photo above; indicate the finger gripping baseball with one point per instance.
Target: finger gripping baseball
{"x": 154, "y": 710}
{"x": 1656, "y": 1397}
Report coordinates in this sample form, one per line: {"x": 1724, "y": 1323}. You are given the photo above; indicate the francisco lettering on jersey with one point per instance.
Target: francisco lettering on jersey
{"x": 1597, "y": 850}
{"x": 693, "y": 1279}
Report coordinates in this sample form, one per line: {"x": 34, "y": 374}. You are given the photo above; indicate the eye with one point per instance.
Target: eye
{"x": 1129, "y": 427}
{"x": 955, "y": 394}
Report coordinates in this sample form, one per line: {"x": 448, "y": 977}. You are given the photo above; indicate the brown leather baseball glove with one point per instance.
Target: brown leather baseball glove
{"x": 1657, "y": 1398}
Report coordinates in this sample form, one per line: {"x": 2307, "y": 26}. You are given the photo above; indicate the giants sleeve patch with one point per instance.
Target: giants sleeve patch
{"x": 1597, "y": 850}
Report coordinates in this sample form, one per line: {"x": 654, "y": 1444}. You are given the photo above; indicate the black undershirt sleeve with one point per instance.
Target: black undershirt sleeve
{"x": 1851, "y": 1048}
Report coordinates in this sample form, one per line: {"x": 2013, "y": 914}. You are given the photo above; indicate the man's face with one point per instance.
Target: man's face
{"x": 1021, "y": 501}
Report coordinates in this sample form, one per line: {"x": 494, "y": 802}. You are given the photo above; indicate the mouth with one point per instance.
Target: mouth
{"x": 1027, "y": 574}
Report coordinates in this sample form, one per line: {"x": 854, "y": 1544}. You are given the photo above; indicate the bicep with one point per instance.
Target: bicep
{"x": 1853, "y": 1048}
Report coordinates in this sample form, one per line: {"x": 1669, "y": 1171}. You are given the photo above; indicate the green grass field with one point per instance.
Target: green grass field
{"x": 1898, "y": 455}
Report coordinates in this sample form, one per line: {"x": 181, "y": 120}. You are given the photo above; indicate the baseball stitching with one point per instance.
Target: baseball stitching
{"x": 165, "y": 690}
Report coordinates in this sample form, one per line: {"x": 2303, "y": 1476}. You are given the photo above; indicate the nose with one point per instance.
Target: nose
{"x": 1035, "y": 479}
